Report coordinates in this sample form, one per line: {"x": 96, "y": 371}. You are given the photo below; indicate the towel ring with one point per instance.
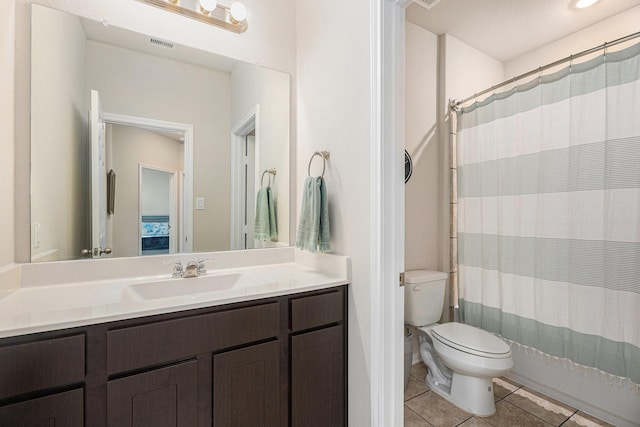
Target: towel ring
{"x": 324, "y": 155}
{"x": 270, "y": 172}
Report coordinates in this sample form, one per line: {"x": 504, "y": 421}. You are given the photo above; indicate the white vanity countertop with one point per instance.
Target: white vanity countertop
{"x": 39, "y": 304}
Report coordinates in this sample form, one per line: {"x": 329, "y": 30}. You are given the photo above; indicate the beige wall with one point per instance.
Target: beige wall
{"x": 59, "y": 136}
{"x": 130, "y": 147}
{"x": 7, "y": 114}
{"x": 437, "y": 68}
{"x": 422, "y": 244}
{"x": 136, "y": 84}
{"x": 251, "y": 86}
{"x": 334, "y": 113}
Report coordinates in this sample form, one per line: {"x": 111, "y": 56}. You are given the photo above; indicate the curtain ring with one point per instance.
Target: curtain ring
{"x": 324, "y": 155}
{"x": 539, "y": 75}
{"x": 570, "y": 63}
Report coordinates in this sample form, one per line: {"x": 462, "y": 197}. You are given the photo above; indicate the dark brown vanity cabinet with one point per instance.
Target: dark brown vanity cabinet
{"x": 273, "y": 362}
{"x": 28, "y": 370}
{"x": 318, "y": 377}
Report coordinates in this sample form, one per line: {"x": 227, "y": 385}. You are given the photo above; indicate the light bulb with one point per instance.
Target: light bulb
{"x": 238, "y": 12}
{"x": 208, "y": 5}
{"x": 581, "y": 4}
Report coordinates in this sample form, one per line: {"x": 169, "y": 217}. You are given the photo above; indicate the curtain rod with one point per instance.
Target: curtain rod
{"x": 456, "y": 104}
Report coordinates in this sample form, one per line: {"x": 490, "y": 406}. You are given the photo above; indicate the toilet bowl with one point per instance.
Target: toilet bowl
{"x": 461, "y": 359}
{"x": 472, "y": 358}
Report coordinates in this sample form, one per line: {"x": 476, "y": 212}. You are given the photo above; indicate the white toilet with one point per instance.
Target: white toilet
{"x": 462, "y": 359}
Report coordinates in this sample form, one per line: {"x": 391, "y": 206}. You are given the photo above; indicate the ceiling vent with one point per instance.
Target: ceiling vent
{"x": 427, "y": 3}
{"x": 161, "y": 43}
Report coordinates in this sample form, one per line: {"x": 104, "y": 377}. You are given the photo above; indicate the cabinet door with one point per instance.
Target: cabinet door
{"x": 317, "y": 378}
{"x": 165, "y": 397}
{"x": 246, "y": 386}
{"x": 59, "y": 410}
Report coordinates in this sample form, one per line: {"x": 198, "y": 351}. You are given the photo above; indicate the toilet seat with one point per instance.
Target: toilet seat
{"x": 472, "y": 340}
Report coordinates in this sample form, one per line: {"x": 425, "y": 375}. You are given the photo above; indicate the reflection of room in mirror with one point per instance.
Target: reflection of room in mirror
{"x": 72, "y": 55}
{"x": 147, "y": 164}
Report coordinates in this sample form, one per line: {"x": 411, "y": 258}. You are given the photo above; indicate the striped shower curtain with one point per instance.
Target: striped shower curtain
{"x": 549, "y": 213}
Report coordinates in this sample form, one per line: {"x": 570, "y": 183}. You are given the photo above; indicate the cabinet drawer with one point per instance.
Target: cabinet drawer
{"x": 317, "y": 310}
{"x": 161, "y": 342}
{"x": 40, "y": 365}
{"x": 60, "y": 410}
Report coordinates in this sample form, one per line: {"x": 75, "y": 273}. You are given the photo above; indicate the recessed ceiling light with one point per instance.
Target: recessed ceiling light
{"x": 581, "y": 4}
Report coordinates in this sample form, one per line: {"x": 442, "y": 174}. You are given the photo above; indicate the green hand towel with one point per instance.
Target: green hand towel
{"x": 313, "y": 227}
{"x": 265, "y": 227}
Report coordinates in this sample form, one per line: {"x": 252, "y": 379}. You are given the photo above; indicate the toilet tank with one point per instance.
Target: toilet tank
{"x": 423, "y": 296}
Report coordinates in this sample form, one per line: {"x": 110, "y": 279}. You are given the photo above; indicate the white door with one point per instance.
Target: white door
{"x": 98, "y": 179}
{"x": 249, "y": 190}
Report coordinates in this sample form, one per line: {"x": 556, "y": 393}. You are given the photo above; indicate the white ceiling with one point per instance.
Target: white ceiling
{"x": 506, "y": 29}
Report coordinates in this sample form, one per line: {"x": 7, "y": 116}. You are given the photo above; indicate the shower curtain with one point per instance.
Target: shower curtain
{"x": 549, "y": 213}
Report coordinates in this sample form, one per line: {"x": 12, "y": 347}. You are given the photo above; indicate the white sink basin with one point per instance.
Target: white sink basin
{"x": 196, "y": 285}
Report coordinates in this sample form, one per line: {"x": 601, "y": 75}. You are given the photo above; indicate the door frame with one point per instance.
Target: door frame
{"x": 186, "y": 223}
{"x": 98, "y": 185}
{"x": 250, "y": 122}
{"x": 173, "y": 206}
{"x": 387, "y": 207}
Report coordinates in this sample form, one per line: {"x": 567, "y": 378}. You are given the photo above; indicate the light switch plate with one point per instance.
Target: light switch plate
{"x": 36, "y": 235}
{"x": 199, "y": 202}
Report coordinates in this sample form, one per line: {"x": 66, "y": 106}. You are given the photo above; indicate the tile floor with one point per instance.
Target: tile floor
{"x": 515, "y": 406}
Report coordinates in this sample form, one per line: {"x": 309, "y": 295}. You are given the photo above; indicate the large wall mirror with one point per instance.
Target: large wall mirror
{"x": 140, "y": 146}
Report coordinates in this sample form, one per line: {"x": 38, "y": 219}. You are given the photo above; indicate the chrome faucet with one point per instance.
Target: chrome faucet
{"x": 201, "y": 270}
{"x": 192, "y": 269}
{"x": 178, "y": 270}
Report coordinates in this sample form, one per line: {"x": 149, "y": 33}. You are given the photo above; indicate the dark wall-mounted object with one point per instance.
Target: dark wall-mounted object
{"x": 408, "y": 166}
{"x": 111, "y": 192}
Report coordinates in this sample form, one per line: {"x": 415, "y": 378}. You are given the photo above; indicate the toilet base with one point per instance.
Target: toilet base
{"x": 471, "y": 394}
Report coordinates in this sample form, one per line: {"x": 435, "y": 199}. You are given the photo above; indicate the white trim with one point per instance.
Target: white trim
{"x": 387, "y": 222}
{"x": 186, "y": 238}
{"x": 249, "y": 123}
{"x": 174, "y": 230}
{"x": 98, "y": 176}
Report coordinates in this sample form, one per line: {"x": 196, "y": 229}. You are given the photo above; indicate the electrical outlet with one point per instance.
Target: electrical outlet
{"x": 36, "y": 235}
{"x": 199, "y": 202}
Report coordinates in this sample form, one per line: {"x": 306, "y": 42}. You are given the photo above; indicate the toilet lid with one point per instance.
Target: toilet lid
{"x": 471, "y": 340}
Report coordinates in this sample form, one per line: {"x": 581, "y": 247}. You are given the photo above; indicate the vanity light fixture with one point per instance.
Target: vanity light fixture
{"x": 233, "y": 18}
